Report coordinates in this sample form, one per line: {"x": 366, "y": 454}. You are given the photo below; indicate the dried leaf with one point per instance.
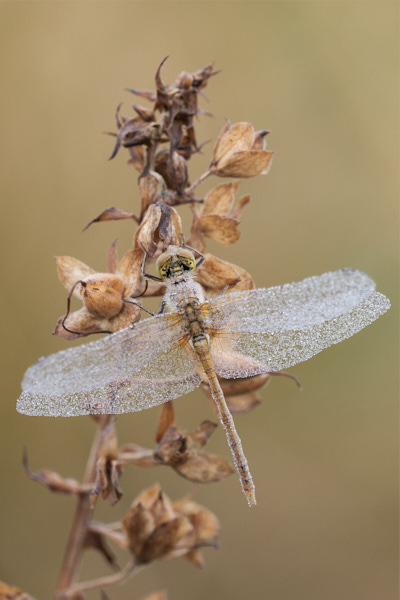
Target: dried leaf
{"x": 138, "y": 157}
{"x": 202, "y": 434}
{"x": 54, "y": 481}
{"x": 135, "y": 132}
{"x": 241, "y": 204}
{"x": 97, "y": 542}
{"x": 221, "y": 229}
{"x": 112, "y": 214}
{"x": 165, "y": 420}
{"x": 171, "y": 449}
{"x": 196, "y": 558}
{"x": 245, "y": 164}
{"x": 243, "y": 403}
{"x": 70, "y": 270}
{"x": 138, "y": 523}
{"x": 196, "y": 239}
{"x": 204, "y": 468}
{"x": 148, "y": 185}
{"x": 108, "y": 470}
{"x": 130, "y": 271}
{"x": 146, "y": 114}
{"x": 79, "y": 324}
{"x": 214, "y": 274}
{"x": 165, "y": 540}
{"x": 220, "y": 199}
{"x": 147, "y": 94}
{"x": 130, "y": 314}
{"x": 233, "y": 139}
{"x": 259, "y": 139}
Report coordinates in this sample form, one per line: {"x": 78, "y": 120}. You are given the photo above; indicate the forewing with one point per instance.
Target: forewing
{"x": 282, "y": 326}
{"x": 128, "y": 371}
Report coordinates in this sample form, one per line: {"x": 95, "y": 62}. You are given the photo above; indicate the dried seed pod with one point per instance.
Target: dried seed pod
{"x": 161, "y": 226}
{"x": 157, "y": 529}
{"x": 102, "y": 294}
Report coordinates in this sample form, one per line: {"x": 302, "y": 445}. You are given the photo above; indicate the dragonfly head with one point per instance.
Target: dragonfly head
{"x": 175, "y": 261}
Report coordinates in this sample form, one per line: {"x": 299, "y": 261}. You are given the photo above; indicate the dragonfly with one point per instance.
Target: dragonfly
{"x": 194, "y": 339}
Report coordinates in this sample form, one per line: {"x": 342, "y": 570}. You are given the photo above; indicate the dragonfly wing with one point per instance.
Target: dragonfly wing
{"x": 282, "y": 326}
{"x": 111, "y": 375}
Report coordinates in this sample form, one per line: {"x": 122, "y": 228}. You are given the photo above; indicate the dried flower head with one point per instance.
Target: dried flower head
{"x": 183, "y": 453}
{"x": 155, "y": 528}
{"x": 102, "y": 294}
{"x": 217, "y": 217}
{"x": 237, "y": 152}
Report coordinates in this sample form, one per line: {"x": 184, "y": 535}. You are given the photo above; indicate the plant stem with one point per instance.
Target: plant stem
{"x": 198, "y": 181}
{"x": 119, "y": 577}
{"x": 83, "y": 513}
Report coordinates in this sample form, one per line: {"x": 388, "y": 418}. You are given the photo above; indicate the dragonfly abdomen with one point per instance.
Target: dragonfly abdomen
{"x": 202, "y": 349}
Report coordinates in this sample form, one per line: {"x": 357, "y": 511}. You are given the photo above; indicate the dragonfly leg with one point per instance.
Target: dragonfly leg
{"x": 147, "y": 275}
{"x": 229, "y": 285}
{"x": 139, "y": 305}
{"x": 202, "y": 257}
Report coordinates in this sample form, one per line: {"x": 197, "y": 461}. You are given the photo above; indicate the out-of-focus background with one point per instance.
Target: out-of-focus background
{"x": 323, "y": 77}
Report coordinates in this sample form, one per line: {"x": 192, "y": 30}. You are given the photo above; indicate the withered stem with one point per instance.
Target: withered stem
{"x": 198, "y": 181}
{"x": 80, "y": 523}
{"x": 123, "y": 575}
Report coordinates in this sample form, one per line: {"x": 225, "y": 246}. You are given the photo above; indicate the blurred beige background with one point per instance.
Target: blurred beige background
{"x": 323, "y": 77}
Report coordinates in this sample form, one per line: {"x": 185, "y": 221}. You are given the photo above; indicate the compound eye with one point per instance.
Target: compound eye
{"x": 162, "y": 269}
{"x": 192, "y": 264}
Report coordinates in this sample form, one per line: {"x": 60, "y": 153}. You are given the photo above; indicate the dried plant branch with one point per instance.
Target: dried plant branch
{"x": 74, "y": 590}
{"x": 83, "y": 514}
{"x": 198, "y": 181}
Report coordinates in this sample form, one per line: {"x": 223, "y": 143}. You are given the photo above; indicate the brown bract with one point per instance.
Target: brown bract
{"x": 218, "y": 217}
{"x": 215, "y": 274}
{"x": 108, "y": 470}
{"x": 237, "y": 152}
{"x": 138, "y": 131}
{"x": 102, "y": 294}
